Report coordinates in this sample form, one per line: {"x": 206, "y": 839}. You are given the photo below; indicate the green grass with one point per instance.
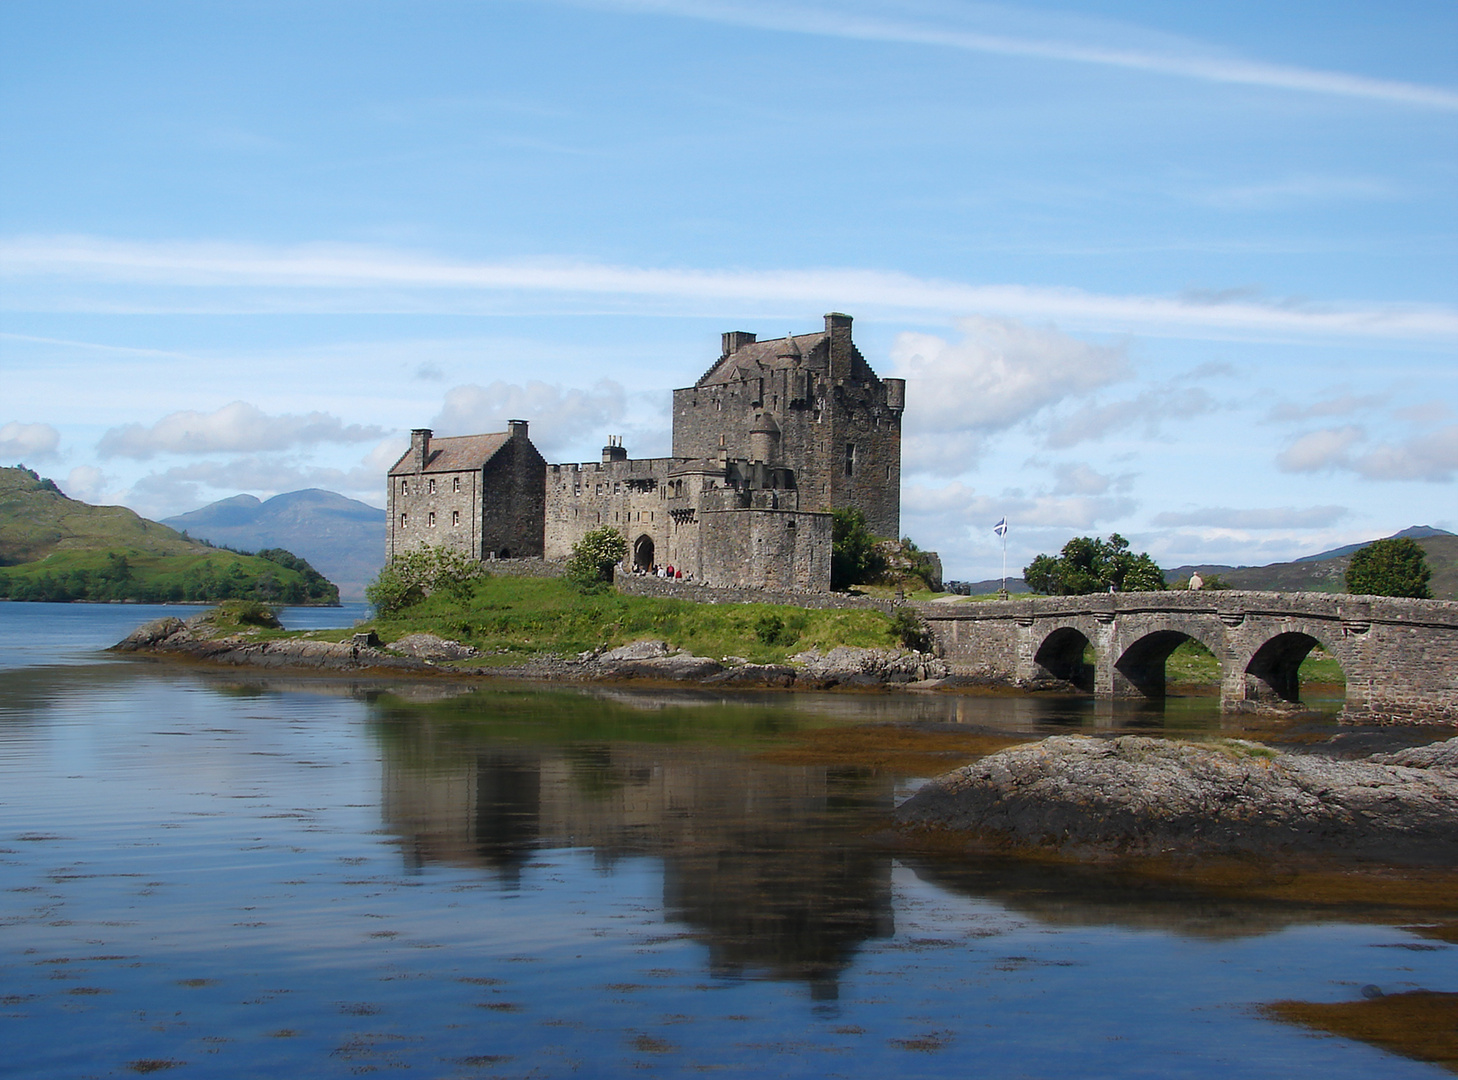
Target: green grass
{"x": 535, "y": 616}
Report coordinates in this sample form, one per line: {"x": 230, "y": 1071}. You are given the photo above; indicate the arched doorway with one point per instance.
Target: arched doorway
{"x": 504, "y": 553}
{"x": 643, "y": 553}
{"x": 1273, "y": 675}
{"x": 1062, "y": 659}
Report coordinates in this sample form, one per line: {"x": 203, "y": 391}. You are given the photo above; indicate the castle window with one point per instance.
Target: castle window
{"x": 455, "y": 519}
{"x": 404, "y": 520}
{"x": 430, "y": 519}
{"x": 404, "y": 487}
{"x": 850, "y": 459}
{"x": 430, "y": 487}
{"x": 455, "y": 483}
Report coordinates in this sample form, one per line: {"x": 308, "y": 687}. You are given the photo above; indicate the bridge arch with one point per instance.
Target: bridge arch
{"x": 1271, "y": 674}
{"x": 1060, "y": 657}
{"x": 1139, "y": 670}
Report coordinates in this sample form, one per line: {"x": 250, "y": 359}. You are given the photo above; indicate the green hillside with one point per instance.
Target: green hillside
{"x": 1329, "y": 575}
{"x": 59, "y": 549}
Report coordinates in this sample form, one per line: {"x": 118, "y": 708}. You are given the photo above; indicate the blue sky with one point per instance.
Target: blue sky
{"x": 1185, "y": 272}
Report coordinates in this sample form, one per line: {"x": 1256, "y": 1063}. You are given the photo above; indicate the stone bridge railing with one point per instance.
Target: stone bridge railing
{"x": 1399, "y": 657}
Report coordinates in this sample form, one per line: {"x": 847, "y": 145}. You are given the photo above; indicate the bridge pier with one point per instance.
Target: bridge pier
{"x": 1399, "y": 657}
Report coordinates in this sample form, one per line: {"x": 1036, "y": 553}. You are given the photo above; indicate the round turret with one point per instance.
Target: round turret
{"x": 764, "y": 438}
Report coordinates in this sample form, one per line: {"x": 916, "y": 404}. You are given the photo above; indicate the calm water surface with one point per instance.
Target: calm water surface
{"x": 227, "y": 875}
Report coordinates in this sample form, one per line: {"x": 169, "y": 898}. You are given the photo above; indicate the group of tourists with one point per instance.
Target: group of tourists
{"x": 666, "y": 572}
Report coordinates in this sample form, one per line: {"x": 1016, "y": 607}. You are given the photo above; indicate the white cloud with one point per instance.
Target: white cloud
{"x": 1148, "y": 412}
{"x": 1000, "y": 374}
{"x": 1284, "y": 517}
{"x": 984, "y": 28}
{"x": 1318, "y": 450}
{"x": 558, "y": 416}
{"x": 35, "y": 442}
{"x": 55, "y": 273}
{"x": 187, "y": 487}
{"x": 87, "y": 484}
{"x": 1336, "y": 405}
{"x": 237, "y": 427}
{"x": 1079, "y": 480}
{"x": 1433, "y": 457}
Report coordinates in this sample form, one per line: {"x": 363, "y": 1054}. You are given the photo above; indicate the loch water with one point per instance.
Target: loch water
{"x": 226, "y": 874}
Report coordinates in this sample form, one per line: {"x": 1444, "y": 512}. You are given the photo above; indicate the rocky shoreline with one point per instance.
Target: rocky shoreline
{"x": 426, "y": 654}
{"x": 1144, "y": 797}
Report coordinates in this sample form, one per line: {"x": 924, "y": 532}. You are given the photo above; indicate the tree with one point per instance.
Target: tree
{"x": 420, "y": 572}
{"x": 593, "y": 557}
{"x": 1397, "y": 566}
{"x": 854, "y": 557}
{"x": 1089, "y": 564}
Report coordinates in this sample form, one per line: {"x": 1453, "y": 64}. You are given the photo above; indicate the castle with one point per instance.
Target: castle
{"x": 771, "y": 439}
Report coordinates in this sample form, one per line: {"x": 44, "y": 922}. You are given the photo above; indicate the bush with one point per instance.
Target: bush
{"x": 854, "y": 556}
{"x": 910, "y": 630}
{"x": 1397, "y": 566}
{"x": 1088, "y": 564}
{"x": 413, "y": 575}
{"x": 590, "y": 566}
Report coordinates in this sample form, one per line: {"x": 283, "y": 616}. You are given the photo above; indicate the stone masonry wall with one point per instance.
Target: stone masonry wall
{"x": 434, "y": 510}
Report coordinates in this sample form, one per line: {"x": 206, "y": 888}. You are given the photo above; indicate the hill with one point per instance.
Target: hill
{"x": 343, "y": 538}
{"x": 1326, "y": 571}
{"x": 56, "y": 548}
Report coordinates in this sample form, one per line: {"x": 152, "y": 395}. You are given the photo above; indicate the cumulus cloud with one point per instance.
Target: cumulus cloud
{"x": 187, "y": 487}
{"x": 1079, "y": 480}
{"x": 1318, "y": 450}
{"x": 1000, "y": 374}
{"x": 558, "y": 415}
{"x": 86, "y": 483}
{"x": 961, "y": 504}
{"x": 1432, "y": 456}
{"x": 1283, "y": 517}
{"x": 1147, "y": 413}
{"x": 28, "y": 442}
{"x": 235, "y": 428}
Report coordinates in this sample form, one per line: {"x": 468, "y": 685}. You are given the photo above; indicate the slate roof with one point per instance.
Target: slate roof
{"x": 459, "y": 453}
{"x": 813, "y": 349}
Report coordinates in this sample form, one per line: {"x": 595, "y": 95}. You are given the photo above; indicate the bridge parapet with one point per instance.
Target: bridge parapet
{"x": 1399, "y": 656}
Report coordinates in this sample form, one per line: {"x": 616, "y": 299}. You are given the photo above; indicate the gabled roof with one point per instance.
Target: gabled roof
{"x": 811, "y": 350}
{"x": 460, "y": 453}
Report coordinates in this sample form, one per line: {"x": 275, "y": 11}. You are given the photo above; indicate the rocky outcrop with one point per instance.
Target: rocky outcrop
{"x": 845, "y": 665}
{"x": 198, "y": 639}
{"x": 1141, "y": 796}
{"x": 433, "y": 647}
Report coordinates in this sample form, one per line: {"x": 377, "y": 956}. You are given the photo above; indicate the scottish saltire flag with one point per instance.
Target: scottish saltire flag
{"x": 1001, "y": 527}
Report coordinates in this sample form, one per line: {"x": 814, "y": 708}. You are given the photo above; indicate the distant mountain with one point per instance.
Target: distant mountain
{"x": 343, "y": 538}
{"x": 1414, "y": 532}
{"x": 1326, "y": 571}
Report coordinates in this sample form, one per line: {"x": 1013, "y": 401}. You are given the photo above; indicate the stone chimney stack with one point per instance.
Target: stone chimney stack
{"x": 838, "y": 327}
{"x": 419, "y": 448}
{"x": 515, "y": 429}
{"x": 735, "y": 340}
{"x": 614, "y": 450}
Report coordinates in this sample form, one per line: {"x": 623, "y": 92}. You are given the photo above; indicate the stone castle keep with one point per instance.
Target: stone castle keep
{"x": 773, "y": 437}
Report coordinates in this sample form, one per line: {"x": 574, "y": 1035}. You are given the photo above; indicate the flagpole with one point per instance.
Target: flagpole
{"x": 1004, "y": 559}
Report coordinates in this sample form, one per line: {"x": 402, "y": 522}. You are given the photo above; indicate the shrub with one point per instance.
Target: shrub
{"x": 420, "y": 572}
{"x": 854, "y": 556}
{"x": 1397, "y": 566}
{"x": 910, "y": 630}
{"x": 590, "y": 566}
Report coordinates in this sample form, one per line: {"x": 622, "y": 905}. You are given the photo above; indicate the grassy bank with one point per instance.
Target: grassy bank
{"x": 523, "y": 617}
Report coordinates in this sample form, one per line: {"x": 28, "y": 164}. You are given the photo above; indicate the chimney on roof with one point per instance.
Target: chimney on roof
{"x": 516, "y": 429}
{"x": 419, "y": 447}
{"x": 735, "y": 340}
{"x": 614, "y": 450}
{"x": 838, "y": 329}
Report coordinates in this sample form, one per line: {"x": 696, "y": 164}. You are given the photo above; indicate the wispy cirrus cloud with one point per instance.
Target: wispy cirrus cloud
{"x": 1005, "y": 31}
{"x": 1280, "y": 517}
{"x": 236, "y": 427}
{"x": 558, "y": 415}
{"x": 96, "y": 274}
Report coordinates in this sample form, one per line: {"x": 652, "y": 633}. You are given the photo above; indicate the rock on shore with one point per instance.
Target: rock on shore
{"x": 1134, "y": 795}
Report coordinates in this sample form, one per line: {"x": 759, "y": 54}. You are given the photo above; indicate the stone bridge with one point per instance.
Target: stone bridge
{"x": 1399, "y": 657}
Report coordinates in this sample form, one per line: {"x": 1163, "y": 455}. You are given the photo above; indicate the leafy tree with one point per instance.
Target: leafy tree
{"x": 1089, "y": 564}
{"x": 854, "y": 556}
{"x": 1397, "y": 566}
{"x": 420, "y": 572}
{"x": 593, "y": 557}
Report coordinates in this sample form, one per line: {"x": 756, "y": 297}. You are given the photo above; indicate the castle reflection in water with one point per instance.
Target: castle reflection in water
{"x": 765, "y": 862}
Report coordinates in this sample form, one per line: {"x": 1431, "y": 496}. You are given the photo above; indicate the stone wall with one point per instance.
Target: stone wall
{"x": 513, "y": 502}
{"x": 776, "y": 549}
{"x": 643, "y": 585}
{"x": 434, "y": 510}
